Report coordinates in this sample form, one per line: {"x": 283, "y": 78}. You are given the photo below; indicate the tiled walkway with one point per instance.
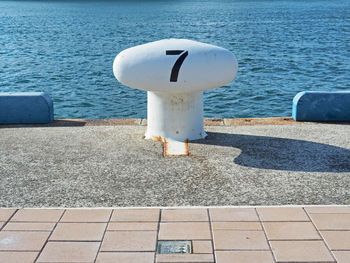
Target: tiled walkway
{"x": 222, "y": 235}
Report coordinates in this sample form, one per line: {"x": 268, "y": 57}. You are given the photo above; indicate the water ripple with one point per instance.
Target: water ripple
{"x": 67, "y": 50}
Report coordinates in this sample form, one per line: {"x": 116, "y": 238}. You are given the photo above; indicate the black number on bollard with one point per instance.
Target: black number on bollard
{"x": 178, "y": 63}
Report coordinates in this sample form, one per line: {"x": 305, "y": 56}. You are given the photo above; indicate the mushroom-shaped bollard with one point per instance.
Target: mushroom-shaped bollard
{"x": 175, "y": 72}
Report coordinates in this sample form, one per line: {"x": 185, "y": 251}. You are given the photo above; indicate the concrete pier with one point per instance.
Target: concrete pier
{"x": 107, "y": 163}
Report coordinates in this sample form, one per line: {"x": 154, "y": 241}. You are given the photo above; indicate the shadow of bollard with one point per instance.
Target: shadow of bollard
{"x": 282, "y": 154}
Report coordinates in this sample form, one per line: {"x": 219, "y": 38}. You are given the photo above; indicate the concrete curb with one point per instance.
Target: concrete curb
{"x": 322, "y": 106}
{"x": 25, "y": 108}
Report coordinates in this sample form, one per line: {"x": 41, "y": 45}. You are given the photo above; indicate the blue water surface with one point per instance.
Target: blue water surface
{"x": 67, "y": 48}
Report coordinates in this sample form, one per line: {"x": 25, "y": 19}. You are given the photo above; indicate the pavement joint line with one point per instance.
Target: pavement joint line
{"x": 336, "y": 230}
{"x": 8, "y": 220}
{"x": 211, "y": 235}
{"x": 24, "y": 230}
{"x": 135, "y": 230}
{"x": 73, "y": 241}
{"x": 318, "y": 232}
{"x": 323, "y": 240}
{"x": 157, "y": 237}
{"x": 27, "y": 250}
{"x": 184, "y": 239}
{"x": 267, "y": 240}
{"x": 244, "y": 249}
{"x": 48, "y": 238}
{"x": 293, "y": 239}
{"x": 81, "y": 222}
{"x": 126, "y": 251}
{"x": 234, "y": 230}
{"x": 103, "y": 236}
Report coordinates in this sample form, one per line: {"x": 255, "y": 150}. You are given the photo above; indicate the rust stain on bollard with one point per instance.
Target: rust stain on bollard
{"x": 173, "y": 148}
{"x": 157, "y": 138}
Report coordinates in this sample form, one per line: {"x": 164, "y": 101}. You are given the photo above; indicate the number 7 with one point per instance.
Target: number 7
{"x": 178, "y": 63}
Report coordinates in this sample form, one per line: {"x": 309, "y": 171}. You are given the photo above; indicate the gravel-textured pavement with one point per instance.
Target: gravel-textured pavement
{"x": 98, "y": 166}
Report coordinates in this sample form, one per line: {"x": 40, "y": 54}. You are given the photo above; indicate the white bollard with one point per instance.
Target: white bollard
{"x": 175, "y": 116}
{"x": 175, "y": 72}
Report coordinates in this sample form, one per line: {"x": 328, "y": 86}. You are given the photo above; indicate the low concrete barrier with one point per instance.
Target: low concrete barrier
{"x": 25, "y": 107}
{"x": 322, "y": 106}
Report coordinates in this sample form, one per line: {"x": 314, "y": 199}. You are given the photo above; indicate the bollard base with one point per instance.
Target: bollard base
{"x": 178, "y": 117}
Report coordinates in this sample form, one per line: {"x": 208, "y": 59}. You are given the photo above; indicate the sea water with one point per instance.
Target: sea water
{"x": 67, "y": 48}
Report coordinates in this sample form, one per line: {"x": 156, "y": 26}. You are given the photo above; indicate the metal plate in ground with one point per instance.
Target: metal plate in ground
{"x": 174, "y": 247}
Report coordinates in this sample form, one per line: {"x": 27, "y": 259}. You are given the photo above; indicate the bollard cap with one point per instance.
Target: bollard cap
{"x": 175, "y": 66}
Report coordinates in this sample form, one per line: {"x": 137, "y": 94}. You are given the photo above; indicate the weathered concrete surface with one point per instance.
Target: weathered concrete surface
{"x": 115, "y": 166}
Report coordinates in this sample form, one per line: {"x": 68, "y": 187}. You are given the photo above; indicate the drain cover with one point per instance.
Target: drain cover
{"x": 174, "y": 247}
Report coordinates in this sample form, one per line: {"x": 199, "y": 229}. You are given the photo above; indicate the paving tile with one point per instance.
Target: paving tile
{"x": 21, "y": 226}
{"x": 135, "y": 226}
{"x": 37, "y": 215}
{"x": 300, "y": 251}
{"x": 18, "y": 257}
{"x": 6, "y": 213}
{"x": 2, "y": 224}
{"x": 125, "y": 257}
{"x": 129, "y": 241}
{"x": 331, "y": 221}
{"x": 236, "y": 226}
{"x": 230, "y": 240}
{"x": 337, "y": 240}
{"x": 136, "y": 215}
{"x": 233, "y": 214}
{"x": 244, "y": 257}
{"x": 290, "y": 230}
{"x": 342, "y": 256}
{"x": 69, "y": 252}
{"x": 182, "y": 215}
{"x": 184, "y": 231}
{"x": 202, "y": 247}
{"x": 32, "y": 241}
{"x": 328, "y": 209}
{"x": 184, "y": 258}
{"x": 282, "y": 214}
{"x": 87, "y": 215}
{"x": 79, "y": 231}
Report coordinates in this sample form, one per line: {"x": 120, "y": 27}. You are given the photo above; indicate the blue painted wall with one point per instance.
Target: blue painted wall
{"x": 321, "y": 106}
{"x": 25, "y": 107}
